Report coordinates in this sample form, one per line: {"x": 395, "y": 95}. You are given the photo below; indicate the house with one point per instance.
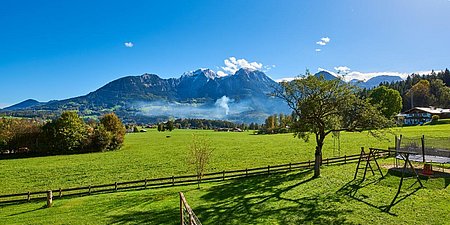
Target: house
{"x": 420, "y": 115}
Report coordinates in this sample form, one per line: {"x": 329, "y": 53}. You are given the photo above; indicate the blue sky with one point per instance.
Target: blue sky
{"x": 60, "y": 49}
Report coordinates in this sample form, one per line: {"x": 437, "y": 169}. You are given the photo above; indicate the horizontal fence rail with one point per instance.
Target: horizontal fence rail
{"x": 175, "y": 180}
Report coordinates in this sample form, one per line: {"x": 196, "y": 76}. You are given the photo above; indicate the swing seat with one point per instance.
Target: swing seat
{"x": 427, "y": 169}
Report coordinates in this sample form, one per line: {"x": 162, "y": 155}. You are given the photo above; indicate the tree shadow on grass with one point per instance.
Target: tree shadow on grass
{"x": 353, "y": 187}
{"x": 166, "y": 216}
{"x": 144, "y": 208}
{"x": 279, "y": 199}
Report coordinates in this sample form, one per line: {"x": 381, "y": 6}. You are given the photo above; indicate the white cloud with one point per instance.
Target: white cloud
{"x": 285, "y": 79}
{"x": 221, "y": 73}
{"x": 323, "y": 41}
{"x": 342, "y": 69}
{"x": 232, "y": 65}
{"x": 128, "y": 44}
{"x": 318, "y": 49}
{"x": 364, "y": 76}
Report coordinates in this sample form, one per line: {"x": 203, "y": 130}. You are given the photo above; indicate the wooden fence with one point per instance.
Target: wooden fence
{"x": 172, "y": 180}
{"x": 187, "y": 215}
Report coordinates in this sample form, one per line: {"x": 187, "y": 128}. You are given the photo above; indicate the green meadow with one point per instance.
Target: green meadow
{"x": 292, "y": 198}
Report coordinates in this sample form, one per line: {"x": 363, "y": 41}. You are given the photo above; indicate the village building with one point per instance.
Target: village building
{"x": 421, "y": 115}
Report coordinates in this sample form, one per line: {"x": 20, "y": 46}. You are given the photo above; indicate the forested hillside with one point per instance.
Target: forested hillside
{"x": 424, "y": 90}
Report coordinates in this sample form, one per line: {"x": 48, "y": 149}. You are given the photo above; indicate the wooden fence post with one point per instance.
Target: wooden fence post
{"x": 173, "y": 180}
{"x": 49, "y": 198}
{"x": 309, "y": 163}
{"x": 145, "y": 183}
{"x": 181, "y": 209}
{"x": 268, "y": 169}
{"x": 60, "y": 192}
{"x": 246, "y": 171}
{"x": 115, "y": 186}
{"x": 327, "y": 161}
{"x": 345, "y": 159}
{"x": 89, "y": 189}
{"x": 223, "y": 176}
{"x": 290, "y": 166}
{"x": 29, "y": 196}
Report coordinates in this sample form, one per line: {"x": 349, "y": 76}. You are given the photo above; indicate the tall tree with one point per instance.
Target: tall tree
{"x": 388, "y": 100}
{"x": 67, "y": 134}
{"x": 114, "y": 125}
{"x": 420, "y": 95}
{"x": 170, "y": 125}
{"x": 440, "y": 92}
{"x": 323, "y": 106}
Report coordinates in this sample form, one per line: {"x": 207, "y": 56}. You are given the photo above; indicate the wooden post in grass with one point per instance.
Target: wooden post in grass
{"x": 115, "y": 186}
{"x": 181, "y": 209}
{"x": 29, "y": 196}
{"x": 145, "y": 183}
{"x": 49, "y": 198}
{"x": 60, "y": 192}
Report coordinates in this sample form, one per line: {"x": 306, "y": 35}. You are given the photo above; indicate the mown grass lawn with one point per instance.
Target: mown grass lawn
{"x": 152, "y": 154}
{"x": 278, "y": 199}
{"x": 292, "y": 198}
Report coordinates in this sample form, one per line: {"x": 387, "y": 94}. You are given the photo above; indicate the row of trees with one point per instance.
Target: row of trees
{"x": 64, "y": 135}
{"x": 276, "y": 123}
{"x": 203, "y": 124}
{"x": 169, "y": 125}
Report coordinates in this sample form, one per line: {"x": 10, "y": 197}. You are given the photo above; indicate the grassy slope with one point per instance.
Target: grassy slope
{"x": 291, "y": 198}
{"x": 151, "y": 154}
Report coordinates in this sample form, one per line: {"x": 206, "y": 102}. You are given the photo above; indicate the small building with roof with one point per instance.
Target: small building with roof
{"x": 420, "y": 115}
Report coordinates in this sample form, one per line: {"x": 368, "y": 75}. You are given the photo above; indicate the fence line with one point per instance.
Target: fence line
{"x": 174, "y": 180}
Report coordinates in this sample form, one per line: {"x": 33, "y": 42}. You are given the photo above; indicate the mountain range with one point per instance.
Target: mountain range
{"x": 370, "y": 83}
{"x": 244, "y": 96}
{"x": 241, "y": 97}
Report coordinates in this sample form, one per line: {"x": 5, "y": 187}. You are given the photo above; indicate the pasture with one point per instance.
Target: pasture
{"x": 291, "y": 198}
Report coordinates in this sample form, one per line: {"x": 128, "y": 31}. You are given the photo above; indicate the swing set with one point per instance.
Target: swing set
{"x": 406, "y": 152}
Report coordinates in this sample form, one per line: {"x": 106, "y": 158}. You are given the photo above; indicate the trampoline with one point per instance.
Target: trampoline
{"x": 419, "y": 149}
{"x": 428, "y": 158}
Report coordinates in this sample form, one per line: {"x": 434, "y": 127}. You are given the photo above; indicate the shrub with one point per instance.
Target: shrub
{"x": 100, "y": 139}
{"x": 435, "y": 118}
{"x": 18, "y": 134}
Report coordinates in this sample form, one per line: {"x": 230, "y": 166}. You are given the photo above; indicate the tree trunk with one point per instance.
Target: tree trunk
{"x": 318, "y": 161}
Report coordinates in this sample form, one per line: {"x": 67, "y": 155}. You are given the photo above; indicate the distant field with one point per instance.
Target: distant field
{"x": 152, "y": 154}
